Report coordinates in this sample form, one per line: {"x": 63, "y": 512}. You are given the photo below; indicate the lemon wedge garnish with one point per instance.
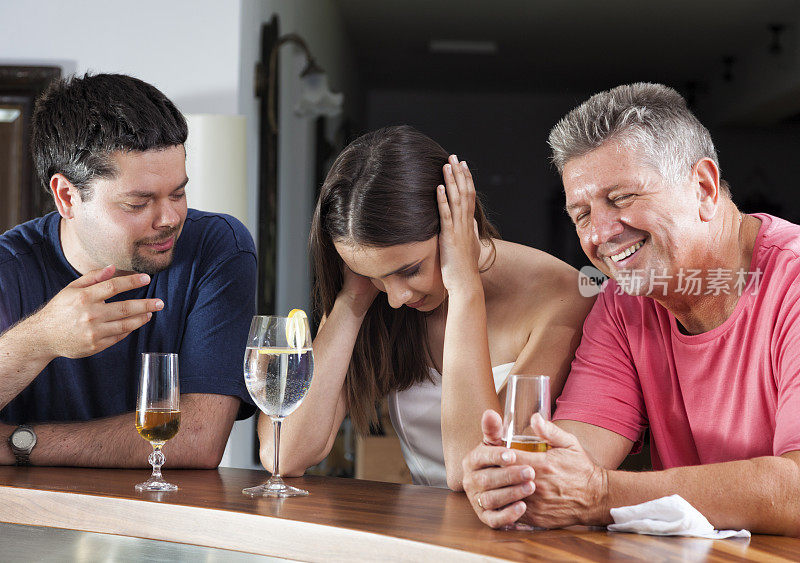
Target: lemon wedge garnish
{"x": 296, "y": 328}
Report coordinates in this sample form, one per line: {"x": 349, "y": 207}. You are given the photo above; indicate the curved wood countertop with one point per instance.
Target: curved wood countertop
{"x": 342, "y": 519}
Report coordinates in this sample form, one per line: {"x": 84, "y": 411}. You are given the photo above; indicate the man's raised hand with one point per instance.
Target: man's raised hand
{"x": 78, "y": 322}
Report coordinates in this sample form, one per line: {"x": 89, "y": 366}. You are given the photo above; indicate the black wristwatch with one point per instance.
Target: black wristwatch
{"x": 22, "y": 441}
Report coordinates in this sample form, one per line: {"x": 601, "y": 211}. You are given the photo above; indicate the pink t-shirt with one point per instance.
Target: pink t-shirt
{"x": 730, "y": 393}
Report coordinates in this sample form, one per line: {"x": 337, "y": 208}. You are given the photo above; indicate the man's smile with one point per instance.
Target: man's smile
{"x": 625, "y": 253}
{"x": 161, "y": 246}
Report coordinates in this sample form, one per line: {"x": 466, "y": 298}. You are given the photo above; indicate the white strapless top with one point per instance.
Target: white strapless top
{"x": 416, "y": 415}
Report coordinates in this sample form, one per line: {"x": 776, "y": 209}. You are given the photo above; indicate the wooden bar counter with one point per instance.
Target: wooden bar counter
{"x": 341, "y": 520}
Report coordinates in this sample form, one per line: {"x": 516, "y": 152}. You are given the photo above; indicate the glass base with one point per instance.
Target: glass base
{"x": 276, "y": 488}
{"x": 155, "y": 485}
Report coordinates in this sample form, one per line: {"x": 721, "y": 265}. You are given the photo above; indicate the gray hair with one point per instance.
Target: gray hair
{"x": 652, "y": 118}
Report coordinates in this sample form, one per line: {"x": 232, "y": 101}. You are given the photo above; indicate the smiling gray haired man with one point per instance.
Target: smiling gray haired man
{"x": 696, "y": 337}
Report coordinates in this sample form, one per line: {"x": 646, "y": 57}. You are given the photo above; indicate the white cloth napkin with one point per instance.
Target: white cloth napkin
{"x": 668, "y": 516}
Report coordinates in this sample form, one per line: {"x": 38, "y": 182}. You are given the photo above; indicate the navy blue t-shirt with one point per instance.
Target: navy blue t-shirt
{"x": 209, "y": 301}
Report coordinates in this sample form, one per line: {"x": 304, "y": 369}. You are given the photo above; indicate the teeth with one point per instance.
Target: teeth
{"x": 627, "y": 252}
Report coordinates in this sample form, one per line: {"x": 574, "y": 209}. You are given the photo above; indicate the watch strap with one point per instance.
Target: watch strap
{"x": 23, "y": 458}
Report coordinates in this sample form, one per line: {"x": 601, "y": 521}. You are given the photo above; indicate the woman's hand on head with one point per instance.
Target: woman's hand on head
{"x": 459, "y": 245}
{"x": 358, "y": 290}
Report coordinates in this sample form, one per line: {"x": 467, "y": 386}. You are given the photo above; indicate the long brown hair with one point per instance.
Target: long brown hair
{"x": 380, "y": 192}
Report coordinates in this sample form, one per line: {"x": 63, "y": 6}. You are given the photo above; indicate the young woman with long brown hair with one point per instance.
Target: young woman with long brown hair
{"x": 419, "y": 299}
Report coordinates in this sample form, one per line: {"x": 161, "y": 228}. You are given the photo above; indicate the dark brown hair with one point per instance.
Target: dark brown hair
{"x": 380, "y": 192}
{"x": 79, "y": 122}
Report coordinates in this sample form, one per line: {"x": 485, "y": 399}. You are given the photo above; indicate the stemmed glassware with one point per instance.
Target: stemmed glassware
{"x": 158, "y": 413}
{"x": 278, "y": 365}
{"x": 525, "y": 395}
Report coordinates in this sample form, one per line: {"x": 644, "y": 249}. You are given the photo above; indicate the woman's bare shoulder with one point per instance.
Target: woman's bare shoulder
{"x": 527, "y": 291}
{"x": 534, "y": 287}
{"x": 520, "y": 269}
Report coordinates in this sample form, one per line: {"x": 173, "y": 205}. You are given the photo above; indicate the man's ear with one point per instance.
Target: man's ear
{"x": 64, "y": 194}
{"x": 705, "y": 176}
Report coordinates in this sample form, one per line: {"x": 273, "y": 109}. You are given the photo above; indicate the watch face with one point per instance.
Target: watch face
{"x": 22, "y": 439}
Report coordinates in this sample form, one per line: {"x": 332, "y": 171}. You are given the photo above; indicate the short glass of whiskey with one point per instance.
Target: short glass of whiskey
{"x": 525, "y": 396}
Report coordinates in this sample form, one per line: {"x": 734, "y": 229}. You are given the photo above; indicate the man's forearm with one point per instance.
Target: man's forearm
{"x": 760, "y": 494}
{"x": 21, "y": 359}
{"x": 206, "y": 421}
{"x": 106, "y": 442}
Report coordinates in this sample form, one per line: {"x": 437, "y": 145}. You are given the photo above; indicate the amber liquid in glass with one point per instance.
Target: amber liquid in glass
{"x": 158, "y": 425}
{"x": 528, "y": 444}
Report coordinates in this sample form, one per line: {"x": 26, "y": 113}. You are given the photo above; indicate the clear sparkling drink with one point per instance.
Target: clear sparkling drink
{"x": 278, "y": 378}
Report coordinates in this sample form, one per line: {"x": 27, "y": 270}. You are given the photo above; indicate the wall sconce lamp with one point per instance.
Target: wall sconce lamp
{"x": 316, "y": 97}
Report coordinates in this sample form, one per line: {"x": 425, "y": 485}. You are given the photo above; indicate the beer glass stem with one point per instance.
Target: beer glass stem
{"x": 276, "y": 424}
{"x": 157, "y": 459}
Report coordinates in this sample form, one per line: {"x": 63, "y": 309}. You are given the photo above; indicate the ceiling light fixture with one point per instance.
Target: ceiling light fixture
{"x": 776, "y": 45}
{"x": 447, "y": 46}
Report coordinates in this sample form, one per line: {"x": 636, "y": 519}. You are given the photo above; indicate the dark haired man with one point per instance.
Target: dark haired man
{"x": 695, "y": 337}
{"x": 121, "y": 268}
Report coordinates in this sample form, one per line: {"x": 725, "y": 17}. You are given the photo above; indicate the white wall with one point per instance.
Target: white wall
{"x": 187, "y": 48}
{"x": 202, "y": 54}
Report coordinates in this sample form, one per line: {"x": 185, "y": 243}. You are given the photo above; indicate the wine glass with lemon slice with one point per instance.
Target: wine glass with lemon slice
{"x": 278, "y": 365}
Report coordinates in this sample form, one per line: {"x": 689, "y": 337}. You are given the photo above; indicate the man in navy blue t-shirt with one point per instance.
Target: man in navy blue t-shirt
{"x": 121, "y": 268}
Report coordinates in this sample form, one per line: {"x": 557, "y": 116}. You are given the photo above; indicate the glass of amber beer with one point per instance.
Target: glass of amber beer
{"x": 525, "y": 396}
{"x": 158, "y": 413}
